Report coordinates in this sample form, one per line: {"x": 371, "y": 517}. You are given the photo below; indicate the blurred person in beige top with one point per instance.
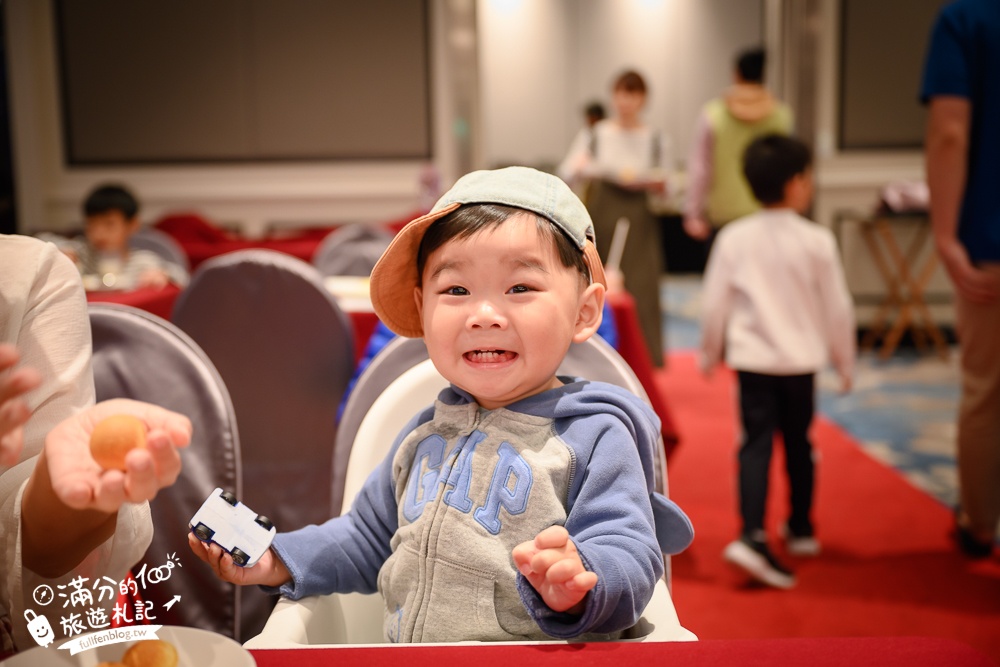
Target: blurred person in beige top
{"x": 61, "y": 517}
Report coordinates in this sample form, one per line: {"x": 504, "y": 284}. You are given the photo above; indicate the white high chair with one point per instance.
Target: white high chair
{"x": 356, "y": 618}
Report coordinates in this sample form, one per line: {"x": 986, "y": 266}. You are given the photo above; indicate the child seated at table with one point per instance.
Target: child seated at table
{"x": 103, "y": 255}
{"x": 520, "y": 505}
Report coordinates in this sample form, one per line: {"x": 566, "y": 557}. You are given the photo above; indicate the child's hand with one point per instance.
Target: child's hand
{"x": 552, "y": 565}
{"x": 268, "y": 571}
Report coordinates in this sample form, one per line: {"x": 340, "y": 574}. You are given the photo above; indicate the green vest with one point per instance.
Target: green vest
{"x": 729, "y": 194}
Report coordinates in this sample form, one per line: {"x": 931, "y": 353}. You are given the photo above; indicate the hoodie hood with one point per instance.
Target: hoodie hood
{"x": 749, "y": 102}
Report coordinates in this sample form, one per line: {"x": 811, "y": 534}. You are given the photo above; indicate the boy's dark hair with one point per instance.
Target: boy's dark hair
{"x": 595, "y": 110}
{"x": 750, "y": 65}
{"x": 770, "y": 162}
{"x": 630, "y": 81}
{"x": 470, "y": 219}
{"x": 111, "y": 198}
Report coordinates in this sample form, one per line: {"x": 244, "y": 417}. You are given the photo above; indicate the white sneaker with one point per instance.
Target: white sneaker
{"x": 756, "y": 559}
{"x": 806, "y": 545}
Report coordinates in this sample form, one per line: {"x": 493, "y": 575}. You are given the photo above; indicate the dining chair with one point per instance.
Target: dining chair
{"x": 161, "y": 243}
{"x": 351, "y": 250}
{"x": 357, "y": 618}
{"x": 285, "y": 350}
{"x": 143, "y": 357}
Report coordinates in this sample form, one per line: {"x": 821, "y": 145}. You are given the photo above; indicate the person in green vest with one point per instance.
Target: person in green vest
{"x": 717, "y": 191}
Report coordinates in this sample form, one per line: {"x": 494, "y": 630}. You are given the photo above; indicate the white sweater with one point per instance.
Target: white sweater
{"x": 775, "y": 300}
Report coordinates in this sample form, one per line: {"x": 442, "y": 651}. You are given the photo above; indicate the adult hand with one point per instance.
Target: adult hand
{"x": 552, "y": 565}
{"x": 14, "y": 410}
{"x": 697, "y": 228}
{"x": 972, "y": 283}
{"x": 268, "y": 571}
{"x": 80, "y": 483}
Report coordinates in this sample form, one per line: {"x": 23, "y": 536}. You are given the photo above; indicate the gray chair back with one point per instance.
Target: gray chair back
{"x": 351, "y": 250}
{"x": 163, "y": 244}
{"x": 399, "y": 355}
{"x": 286, "y": 352}
{"x": 140, "y": 356}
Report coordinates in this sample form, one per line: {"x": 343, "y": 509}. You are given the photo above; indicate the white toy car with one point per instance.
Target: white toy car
{"x": 241, "y": 532}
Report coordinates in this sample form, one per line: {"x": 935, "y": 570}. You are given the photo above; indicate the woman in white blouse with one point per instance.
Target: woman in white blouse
{"x": 622, "y": 160}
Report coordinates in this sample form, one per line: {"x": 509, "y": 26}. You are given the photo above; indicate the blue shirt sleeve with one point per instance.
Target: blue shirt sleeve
{"x": 380, "y": 338}
{"x": 608, "y": 329}
{"x": 946, "y": 70}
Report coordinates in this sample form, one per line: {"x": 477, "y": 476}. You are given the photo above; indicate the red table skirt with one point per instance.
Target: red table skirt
{"x": 157, "y": 300}
{"x": 816, "y": 652}
{"x": 632, "y": 348}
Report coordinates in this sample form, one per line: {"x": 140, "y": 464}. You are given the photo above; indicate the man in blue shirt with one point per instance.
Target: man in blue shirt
{"x": 963, "y": 170}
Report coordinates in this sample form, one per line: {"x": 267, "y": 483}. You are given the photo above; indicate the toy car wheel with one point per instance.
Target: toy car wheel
{"x": 264, "y": 522}
{"x": 239, "y": 557}
{"x": 229, "y": 498}
{"x": 203, "y": 532}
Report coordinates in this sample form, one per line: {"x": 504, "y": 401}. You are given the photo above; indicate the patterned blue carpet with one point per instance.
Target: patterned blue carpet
{"x": 902, "y": 410}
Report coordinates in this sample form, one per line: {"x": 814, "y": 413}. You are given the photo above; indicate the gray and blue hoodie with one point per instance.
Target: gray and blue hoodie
{"x": 434, "y": 525}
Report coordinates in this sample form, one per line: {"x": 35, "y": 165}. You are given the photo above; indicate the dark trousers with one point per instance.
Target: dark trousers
{"x": 769, "y": 402}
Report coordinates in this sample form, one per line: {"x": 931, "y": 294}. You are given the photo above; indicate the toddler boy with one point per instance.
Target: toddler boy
{"x": 776, "y": 301}
{"x": 103, "y": 256}
{"x": 520, "y": 505}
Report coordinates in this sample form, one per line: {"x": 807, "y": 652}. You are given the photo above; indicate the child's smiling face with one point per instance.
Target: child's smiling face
{"x": 499, "y": 311}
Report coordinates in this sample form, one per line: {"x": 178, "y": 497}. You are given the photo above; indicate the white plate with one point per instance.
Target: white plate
{"x": 194, "y": 647}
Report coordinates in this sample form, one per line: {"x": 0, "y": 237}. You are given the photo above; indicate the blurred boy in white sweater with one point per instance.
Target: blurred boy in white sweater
{"x": 776, "y": 304}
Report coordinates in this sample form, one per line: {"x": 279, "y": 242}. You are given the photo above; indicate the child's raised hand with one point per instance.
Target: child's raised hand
{"x": 552, "y": 565}
{"x": 268, "y": 571}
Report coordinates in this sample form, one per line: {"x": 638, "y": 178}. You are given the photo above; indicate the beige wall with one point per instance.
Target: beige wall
{"x": 536, "y": 61}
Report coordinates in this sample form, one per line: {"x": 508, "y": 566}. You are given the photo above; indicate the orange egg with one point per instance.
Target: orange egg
{"x": 151, "y": 653}
{"x": 115, "y": 437}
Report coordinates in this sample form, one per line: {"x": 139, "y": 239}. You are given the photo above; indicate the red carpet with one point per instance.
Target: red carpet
{"x": 887, "y": 568}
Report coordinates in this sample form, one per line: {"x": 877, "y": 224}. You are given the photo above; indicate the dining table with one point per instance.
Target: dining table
{"x": 816, "y": 652}
{"x": 156, "y": 300}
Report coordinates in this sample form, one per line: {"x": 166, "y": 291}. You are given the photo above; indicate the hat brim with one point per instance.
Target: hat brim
{"x": 395, "y": 279}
